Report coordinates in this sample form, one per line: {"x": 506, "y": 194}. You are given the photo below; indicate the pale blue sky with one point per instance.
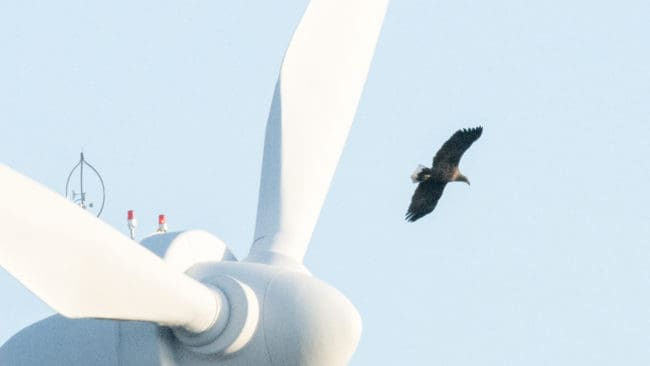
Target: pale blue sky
{"x": 544, "y": 260}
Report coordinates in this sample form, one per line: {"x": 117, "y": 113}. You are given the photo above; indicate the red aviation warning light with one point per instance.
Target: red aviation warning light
{"x": 162, "y": 224}
{"x": 132, "y": 222}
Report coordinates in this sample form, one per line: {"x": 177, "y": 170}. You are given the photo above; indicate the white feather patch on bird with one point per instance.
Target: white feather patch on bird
{"x": 418, "y": 170}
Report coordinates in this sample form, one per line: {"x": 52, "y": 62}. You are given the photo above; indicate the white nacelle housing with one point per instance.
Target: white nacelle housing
{"x": 275, "y": 316}
{"x": 183, "y": 249}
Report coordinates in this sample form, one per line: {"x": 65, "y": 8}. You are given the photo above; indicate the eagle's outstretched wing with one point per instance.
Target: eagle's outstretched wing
{"x": 452, "y": 150}
{"x": 424, "y": 199}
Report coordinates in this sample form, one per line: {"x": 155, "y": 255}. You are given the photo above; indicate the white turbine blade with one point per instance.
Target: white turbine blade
{"x": 316, "y": 97}
{"x": 82, "y": 267}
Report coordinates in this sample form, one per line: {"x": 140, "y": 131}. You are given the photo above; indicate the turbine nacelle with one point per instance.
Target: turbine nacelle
{"x": 262, "y": 303}
{"x": 267, "y": 313}
{"x": 299, "y": 320}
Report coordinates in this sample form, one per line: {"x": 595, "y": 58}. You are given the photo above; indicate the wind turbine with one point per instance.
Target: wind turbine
{"x": 182, "y": 298}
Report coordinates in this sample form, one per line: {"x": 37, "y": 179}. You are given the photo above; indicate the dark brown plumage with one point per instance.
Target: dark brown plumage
{"x": 432, "y": 181}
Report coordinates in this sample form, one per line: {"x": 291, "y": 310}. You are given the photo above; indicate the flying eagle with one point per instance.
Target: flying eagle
{"x": 444, "y": 170}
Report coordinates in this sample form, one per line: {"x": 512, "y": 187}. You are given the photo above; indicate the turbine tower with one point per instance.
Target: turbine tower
{"x": 182, "y": 298}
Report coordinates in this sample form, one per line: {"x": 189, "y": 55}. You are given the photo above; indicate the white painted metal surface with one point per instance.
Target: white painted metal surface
{"x": 301, "y": 321}
{"x": 315, "y": 101}
{"x": 84, "y": 268}
{"x": 183, "y": 249}
{"x": 213, "y": 310}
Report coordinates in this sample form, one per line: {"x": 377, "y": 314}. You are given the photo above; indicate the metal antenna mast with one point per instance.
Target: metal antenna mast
{"x": 80, "y": 198}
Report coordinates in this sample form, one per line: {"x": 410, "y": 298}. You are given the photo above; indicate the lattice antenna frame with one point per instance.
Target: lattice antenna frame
{"x": 81, "y": 201}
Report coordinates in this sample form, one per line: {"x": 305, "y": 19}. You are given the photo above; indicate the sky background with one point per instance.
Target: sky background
{"x": 543, "y": 260}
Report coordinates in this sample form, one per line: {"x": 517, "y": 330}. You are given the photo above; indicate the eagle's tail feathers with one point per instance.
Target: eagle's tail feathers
{"x": 415, "y": 176}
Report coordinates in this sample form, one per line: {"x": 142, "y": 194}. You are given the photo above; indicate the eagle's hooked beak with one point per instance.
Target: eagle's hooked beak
{"x": 462, "y": 178}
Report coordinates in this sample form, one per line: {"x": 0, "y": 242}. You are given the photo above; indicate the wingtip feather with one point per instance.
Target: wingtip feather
{"x": 411, "y": 216}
